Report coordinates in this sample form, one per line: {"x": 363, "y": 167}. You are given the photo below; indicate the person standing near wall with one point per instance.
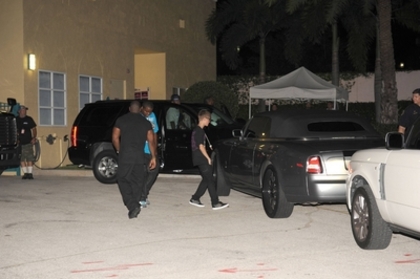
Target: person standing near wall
{"x": 27, "y": 138}
{"x": 410, "y": 114}
{"x": 129, "y": 135}
{"x": 151, "y": 174}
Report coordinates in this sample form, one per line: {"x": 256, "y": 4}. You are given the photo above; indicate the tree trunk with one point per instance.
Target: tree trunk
{"x": 261, "y": 102}
{"x": 335, "y": 65}
{"x": 389, "y": 97}
{"x": 378, "y": 79}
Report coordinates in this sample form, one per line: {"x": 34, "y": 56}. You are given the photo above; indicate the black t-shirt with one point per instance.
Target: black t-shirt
{"x": 198, "y": 137}
{"x": 409, "y": 116}
{"x": 24, "y": 126}
{"x": 134, "y": 128}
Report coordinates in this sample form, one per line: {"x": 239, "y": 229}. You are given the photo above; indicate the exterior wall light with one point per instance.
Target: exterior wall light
{"x": 31, "y": 61}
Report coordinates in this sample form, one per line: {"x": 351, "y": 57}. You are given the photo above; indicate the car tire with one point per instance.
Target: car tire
{"x": 105, "y": 166}
{"x": 273, "y": 198}
{"x": 1, "y": 171}
{"x": 370, "y": 231}
{"x": 222, "y": 187}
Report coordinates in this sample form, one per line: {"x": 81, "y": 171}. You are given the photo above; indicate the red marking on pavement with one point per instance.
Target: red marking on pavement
{"x": 235, "y": 270}
{"x": 118, "y": 267}
{"x": 407, "y": 255}
{"x": 407, "y": 261}
{"x": 112, "y": 276}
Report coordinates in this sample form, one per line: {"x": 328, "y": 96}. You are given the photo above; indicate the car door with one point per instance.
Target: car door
{"x": 176, "y": 138}
{"x": 241, "y": 161}
{"x": 401, "y": 187}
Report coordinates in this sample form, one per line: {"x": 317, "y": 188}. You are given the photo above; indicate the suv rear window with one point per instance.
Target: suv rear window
{"x": 335, "y": 126}
{"x": 100, "y": 116}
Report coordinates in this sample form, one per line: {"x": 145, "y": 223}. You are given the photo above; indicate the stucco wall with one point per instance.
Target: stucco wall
{"x": 12, "y": 60}
{"x": 363, "y": 87}
{"x": 99, "y": 38}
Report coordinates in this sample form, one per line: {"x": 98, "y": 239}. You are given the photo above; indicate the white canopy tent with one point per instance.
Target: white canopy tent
{"x": 299, "y": 84}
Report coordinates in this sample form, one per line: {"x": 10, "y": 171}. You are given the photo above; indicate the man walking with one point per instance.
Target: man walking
{"x": 151, "y": 174}
{"x": 128, "y": 137}
{"x": 203, "y": 161}
{"x": 27, "y": 138}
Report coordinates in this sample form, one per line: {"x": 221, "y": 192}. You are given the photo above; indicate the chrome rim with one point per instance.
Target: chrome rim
{"x": 108, "y": 167}
{"x": 271, "y": 189}
{"x": 360, "y": 217}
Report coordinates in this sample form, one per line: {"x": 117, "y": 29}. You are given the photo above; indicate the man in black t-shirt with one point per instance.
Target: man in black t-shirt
{"x": 202, "y": 160}
{"x": 410, "y": 114}
{"x": 27, "y": 138}
{"x": 129, "y": 135}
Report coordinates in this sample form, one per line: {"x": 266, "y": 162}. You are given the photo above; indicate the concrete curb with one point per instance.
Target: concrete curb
{"x": 89, "y": 173}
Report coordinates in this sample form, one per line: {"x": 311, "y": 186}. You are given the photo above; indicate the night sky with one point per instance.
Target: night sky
{"x": 317, "y": 58}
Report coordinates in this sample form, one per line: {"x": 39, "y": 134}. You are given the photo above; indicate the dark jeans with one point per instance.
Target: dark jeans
{"x": 207, "y": 182}
{"x": 151, "y": 176}
{"x": 130, "y": 178}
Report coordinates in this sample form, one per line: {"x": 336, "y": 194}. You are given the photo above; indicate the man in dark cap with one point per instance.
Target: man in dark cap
{"x": 27, "y": 138}
{"x": 410, "y": 114}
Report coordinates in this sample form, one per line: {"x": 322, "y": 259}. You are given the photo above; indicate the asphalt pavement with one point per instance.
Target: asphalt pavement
{"x": 68, "y": 225}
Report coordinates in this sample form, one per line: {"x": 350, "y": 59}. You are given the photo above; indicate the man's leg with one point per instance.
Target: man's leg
{"x": 151, "y": 176}
{"x": 124, "y": 184}
{"x": 207, "y": 182}
{"x": 137, "y": 180}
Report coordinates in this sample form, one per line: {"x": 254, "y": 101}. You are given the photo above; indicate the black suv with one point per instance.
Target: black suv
{"x": 92, "y": 130}
{"x": 9, "y": 148}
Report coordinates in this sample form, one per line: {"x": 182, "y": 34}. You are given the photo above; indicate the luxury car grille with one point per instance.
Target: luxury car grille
{"x": 8, "y": 130}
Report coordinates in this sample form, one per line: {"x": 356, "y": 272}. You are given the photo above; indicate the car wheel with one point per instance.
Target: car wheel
{"x": 369, "y": 229}
{"x": 273, "y": 198}
{"x": 1, "y": 171}
{"x": 222, "y": 187}
{"x": 105, "y": 166}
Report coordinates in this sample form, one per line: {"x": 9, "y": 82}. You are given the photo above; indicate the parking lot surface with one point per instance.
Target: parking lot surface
{"x": 75, "y": 227}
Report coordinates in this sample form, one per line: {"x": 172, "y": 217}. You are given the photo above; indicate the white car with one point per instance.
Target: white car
{"x": 383, "y": 190}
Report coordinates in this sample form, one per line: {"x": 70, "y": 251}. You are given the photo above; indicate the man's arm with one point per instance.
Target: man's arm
{"x": 401, "y": 129}
{"x": 203, "y": 150}
{"x": 116, "y": 133}
{"x": 152, "y": 146}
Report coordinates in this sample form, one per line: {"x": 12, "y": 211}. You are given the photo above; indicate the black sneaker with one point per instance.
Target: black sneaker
{"x": 196, "y": 203}
{"x": 25, "y": 176}
{"x": 30, "y": 176}
{"x": 133, "y": 213}
{"x": 220, "y": 205}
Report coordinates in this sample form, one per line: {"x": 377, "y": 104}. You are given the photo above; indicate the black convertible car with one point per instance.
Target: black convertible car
{"x": 295, "y": 156}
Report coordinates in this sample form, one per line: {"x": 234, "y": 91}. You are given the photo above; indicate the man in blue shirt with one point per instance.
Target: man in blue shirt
{"x": 147, "y": 111}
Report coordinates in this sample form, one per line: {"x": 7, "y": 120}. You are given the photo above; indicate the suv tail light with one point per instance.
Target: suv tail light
{"x": 313, "y": 165}
{"x": 73, "y": 136}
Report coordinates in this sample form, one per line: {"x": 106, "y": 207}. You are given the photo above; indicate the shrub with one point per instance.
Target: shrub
{"x": 221, "y": 94}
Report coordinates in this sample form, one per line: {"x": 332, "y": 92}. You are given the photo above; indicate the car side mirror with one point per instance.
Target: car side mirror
{"x": 394, "y": 140}
{"x": 238, "y": 133}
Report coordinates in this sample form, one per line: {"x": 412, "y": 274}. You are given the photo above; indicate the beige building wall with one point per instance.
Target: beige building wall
{"x": 101, "y": 38}
{"x": 150, "y": 74}
{"x": 12, "y": 58}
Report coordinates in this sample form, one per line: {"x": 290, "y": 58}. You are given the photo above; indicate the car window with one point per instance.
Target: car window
{"x": 335, "y": 126}
{"x": 100, "y": 115}
{"x": 178, "y": 118}
{"x": 258, "y": 127}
